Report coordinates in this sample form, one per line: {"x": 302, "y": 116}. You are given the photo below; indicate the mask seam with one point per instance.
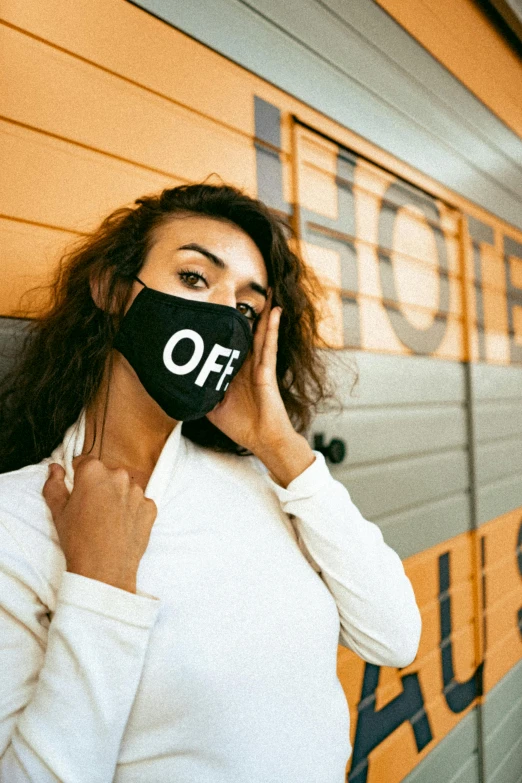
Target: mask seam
{"x": 189, "y": 303}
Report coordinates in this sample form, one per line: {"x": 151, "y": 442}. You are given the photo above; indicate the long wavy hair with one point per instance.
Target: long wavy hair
{"x": 61, "y": 366}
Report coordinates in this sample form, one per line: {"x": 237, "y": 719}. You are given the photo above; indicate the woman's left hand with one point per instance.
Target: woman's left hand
{"x": 252, "y": 412}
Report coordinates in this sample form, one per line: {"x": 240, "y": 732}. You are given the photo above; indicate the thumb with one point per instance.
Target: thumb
{"x": 54, "y": 490}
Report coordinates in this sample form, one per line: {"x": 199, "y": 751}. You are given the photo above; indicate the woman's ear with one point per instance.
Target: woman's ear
{"x": 123, "y": 293}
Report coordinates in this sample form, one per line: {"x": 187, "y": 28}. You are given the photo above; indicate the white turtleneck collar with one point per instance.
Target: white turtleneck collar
{"x": 169, "y": 461}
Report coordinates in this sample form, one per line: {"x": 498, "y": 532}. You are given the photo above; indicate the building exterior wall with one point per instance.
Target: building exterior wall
{"x": 460, "y": 37}
{"x": 104, "y": 103}
{"x": 356, "y": 65}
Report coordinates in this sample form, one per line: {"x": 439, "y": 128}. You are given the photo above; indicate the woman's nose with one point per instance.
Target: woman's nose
{"x": 224, "y": 296}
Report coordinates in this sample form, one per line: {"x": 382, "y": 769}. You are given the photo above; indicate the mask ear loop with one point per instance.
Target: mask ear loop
{"x": 106, "y": 405}
{"x": 105, "y": 408}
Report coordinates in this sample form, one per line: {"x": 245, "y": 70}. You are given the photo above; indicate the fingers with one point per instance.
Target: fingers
{"x": 83, "y": 460}
{"x": 151, "y": 509}
{"x": 55, "y": 492}
{"x": 261, "y": 329}
{"x": 269, "y": 353}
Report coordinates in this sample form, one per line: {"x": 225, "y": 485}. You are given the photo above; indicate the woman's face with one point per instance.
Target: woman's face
{"x": 207, "y": 260}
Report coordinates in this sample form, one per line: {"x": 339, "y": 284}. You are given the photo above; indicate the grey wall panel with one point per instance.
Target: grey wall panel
{"x": 405, "y": 429}
{"x": 353, "y": 67}
{"x": 454, "y": 760}
{"x": 387, "y": 379}
{"x": 499, "y": 498}
{"x": 469, "y": 773}
{"x": 425, "y": 525}
{"x": 401, "y": 484}
{"x": 497, "y": 412}
{"x": 12, "y": 332}
{"x": 502, "y": 729}
{"x": 504, "y": 745}
{"x": 500, "y": 698}
{"x": 499, "y": 459}
{"x": 380, "y": 434}
{"x": 404, "y": 51}
{"x": 491, "y": 382}
{"x": 509, "y": 772}
{"x": 498, "y": 420}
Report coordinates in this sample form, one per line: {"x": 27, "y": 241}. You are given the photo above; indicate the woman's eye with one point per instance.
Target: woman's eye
{"x": 196, "y": 280}
{"x": 248, "y": 311}
{"x": 191, "y": 279}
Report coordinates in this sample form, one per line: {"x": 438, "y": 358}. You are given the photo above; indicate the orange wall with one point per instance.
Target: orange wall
{"x": 93, "y": 115}
{"x": 461, "y": 37}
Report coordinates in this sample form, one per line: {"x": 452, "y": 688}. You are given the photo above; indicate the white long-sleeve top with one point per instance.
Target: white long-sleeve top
{"x": 222, "y": 667}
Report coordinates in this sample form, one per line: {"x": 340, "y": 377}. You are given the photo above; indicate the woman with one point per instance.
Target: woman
{"x": 173, "y": 595}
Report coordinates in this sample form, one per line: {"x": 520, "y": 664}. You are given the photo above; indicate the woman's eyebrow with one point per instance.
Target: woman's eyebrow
{"x": 221, "y": 264}
{"x": 204, "y": 252}
{"x": 258, "y": 289}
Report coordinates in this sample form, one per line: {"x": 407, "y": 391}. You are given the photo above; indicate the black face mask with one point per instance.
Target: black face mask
{"x": 184, "y": 352}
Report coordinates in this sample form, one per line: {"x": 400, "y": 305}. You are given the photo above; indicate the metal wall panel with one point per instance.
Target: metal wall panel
{"x": 454, "y": 760}
{"x": 486, "y": 62}
{"x": 339, "y": 65}
{"x": 497, "y": 407}
{"x": 406, "y": 464}
{"x": 503, "y": 737}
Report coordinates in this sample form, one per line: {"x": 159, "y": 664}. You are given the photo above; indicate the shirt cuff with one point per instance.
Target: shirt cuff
{"x": 310, "y": 481}
{"x": 139, "y": 609}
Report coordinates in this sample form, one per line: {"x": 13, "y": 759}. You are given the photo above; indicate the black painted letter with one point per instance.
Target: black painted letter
{"x": 374, "y": 726}
{"x": 458, "y": 695}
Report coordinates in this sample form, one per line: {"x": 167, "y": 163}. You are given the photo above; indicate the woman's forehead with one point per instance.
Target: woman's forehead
{"x": 227, "y": 241}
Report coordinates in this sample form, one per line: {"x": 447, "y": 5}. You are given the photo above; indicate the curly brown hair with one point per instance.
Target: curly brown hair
{"x": 61, "y": 366}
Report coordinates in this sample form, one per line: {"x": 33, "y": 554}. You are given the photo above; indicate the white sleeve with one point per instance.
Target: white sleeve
{"x": 379, "y": 617}
{"x": 66, "y": 688}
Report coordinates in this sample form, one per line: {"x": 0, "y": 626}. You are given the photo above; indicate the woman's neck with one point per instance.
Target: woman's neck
{"x": 124, "y": 427}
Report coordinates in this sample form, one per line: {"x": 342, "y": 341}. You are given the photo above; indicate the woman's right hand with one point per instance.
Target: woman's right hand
{"x": 104, "y": 524}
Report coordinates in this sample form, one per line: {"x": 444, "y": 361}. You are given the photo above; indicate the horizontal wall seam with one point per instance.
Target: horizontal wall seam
{"x": 409, "y": 456}
{"x": 236, "y": 131}
{"x": 492, "y": 778}
{"x": 381, "y": 518}
{"x": 377, "y": 406}
{"x": 89, "y": 148}
{"x": 41, "y": 225}
{"x": 507, "y": 478}
{"x": 470, "y": 762}
{"x": 500, "y": 438}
